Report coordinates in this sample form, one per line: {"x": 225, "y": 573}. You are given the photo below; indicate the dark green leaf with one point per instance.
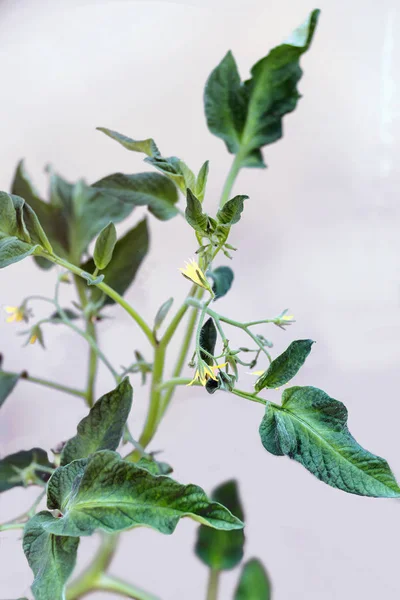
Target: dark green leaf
{"x": 162, "y": 313}
{"x": 311, "y": 428}
{"x": 231, "y": 212}
{"x": 112, "y": 494}
{"x": 8, "y": 381}
{"x": 248, "y": 116}
{"x": 222, "y": 281}
{"x": 52, "y": 558}
{"x": 148, "y": 146}
{"x": 254, "y": 583}
{"x": 286, "y": 366}
{"x": 23, "y": 468}
{"x": 128, "y": 255}
{"x": 153, "y": 466}
{"x": 104, "y": 247}
{"x": 102, "y": 429}
{"x": 153, "y": 190}
{"x": 195, "y": 216}
{"x": 208, "y": 339}
{"x": 225, "y": 381}
{"x": 222, "y": 550}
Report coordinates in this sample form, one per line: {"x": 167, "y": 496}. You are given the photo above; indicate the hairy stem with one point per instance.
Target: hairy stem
{"x": 230, "y": 180}
{"x": 50, "y": 384}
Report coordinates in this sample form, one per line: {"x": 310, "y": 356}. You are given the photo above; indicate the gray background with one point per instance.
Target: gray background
{"x": 320, "y": 235}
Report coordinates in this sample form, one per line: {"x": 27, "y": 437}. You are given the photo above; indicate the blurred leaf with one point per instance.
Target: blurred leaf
{"x": 153, "y": 466}
{"x": 285, "y": 366}
{"x": 162, "y": 313}
{"x": 52, "y": 558}
{"x": 248, "y": 116}
{"x": 222, "y": 550}
{"x": 153, "y": 190}
{"x": 128, "y": 255}
{"x": 311, "y": 428}
{"x": 148, "y": 146}
{"x": 254, "y": 583}
{"x": 22, "y": 468}
{"x": 112, "y": 494}
{"x": 104, "y": 247}
{"x": 201, "y": 181}
{"x": 8, "y": 381}
{"x": 103, "y": 427}
{"x": 223, "y": 279}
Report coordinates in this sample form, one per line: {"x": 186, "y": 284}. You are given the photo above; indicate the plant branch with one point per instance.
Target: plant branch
{"x": 109, "y": 583}
{"x": 108, "y": 291}
{"x": 50, "y": 384}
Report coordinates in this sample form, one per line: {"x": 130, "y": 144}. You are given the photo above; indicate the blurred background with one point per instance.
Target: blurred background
{"x": 320, "y": 235}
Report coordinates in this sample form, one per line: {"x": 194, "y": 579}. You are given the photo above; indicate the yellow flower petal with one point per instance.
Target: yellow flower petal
{"x": 33, "y": 338}
{"x": 193, "y": 272}
{"x": 255, "y": 373}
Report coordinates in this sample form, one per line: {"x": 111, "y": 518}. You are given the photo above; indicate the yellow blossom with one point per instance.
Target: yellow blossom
{"x": 16, "y": 313}
{"x": 193, "y": 272}
{"x": 206, "y": 372}
{"x": 256, "y": 373}
{"x": 287, "y": 318}
{"x": 33, "y": 338}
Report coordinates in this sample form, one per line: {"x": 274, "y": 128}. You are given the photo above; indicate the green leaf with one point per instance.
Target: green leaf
{"x": 153, "y": 466}
{"x": 103, "y": 427}
{"x": 128, "y": 255}
{"x": 222, "y": 281}
{"x": 248, "y": 116}
{"x": 286, "y": 366}
{"x": 8, "y": 381}
{"x": 176, "y": 170}
{"x": 153, "y": 190}
{"x": 92, "y": 210}
{"x": 50, "y": 216}
{"x": 208, "y": 339}
{"x": 148, "y": 146}
{"x": 162, "y": 313}
{"x": 231, "y": 212}
{"x": 222, "y": 550}
{"x": 112, "y": 494}
{"x": 254, "y": 583}
{"x": 23, "y": 468}
{"x": 196, "y": 217}
{"x": 104, "y": 247}
{"x": 311, "y": 428}
{"x": 52, "y": 558}
{"x": 201, "y": 181}
{"x": 20, "y": 231}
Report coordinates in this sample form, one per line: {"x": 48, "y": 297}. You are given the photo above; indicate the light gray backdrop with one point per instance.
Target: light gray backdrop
{"x": 320, "y": 235}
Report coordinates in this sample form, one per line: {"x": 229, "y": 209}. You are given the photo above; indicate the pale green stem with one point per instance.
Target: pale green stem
{"x": 90, "y": 331}
{"x": 230, "y": 180}
{"x": 213, "y": 583}
{"x": 108, "y": 291}
{"x": 108, "y": 583}
{"x": 87, "y": 580}
{"x": 8, "y": 526}
{"x": 50, "y": 384}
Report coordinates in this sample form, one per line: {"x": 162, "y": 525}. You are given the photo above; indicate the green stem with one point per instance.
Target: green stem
{"x": 151, "y": 423}
{"x": 182, "y": 355}
{"x": 230, "y": 180}
{"x": 51, "y": 384}
{"x": 86, "y": 582}
{"x": 213, "y": 582}
{"x": 108, "y": 291}
{"x": 174, "y": 381}
{"x": 108, "y": 583}
{"x": 248, "y": 396}
{"x": 90, "y": 331}
{"x": 8, "y": 526}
